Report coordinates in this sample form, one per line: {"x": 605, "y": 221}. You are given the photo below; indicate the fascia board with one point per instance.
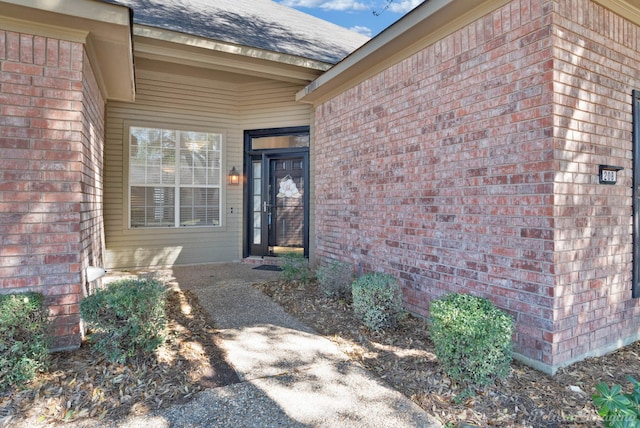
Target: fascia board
{"x": 166, "y": 45}
{"x": 628, "y": 9}
{"x": 77, "y": 9}
{"x": 426, "y": 24}
{"x": 104, "y": 28}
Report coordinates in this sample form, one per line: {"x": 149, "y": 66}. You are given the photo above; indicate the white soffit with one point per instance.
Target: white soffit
{"x": 175, "y": 47}
{"x": 104, "y": 28}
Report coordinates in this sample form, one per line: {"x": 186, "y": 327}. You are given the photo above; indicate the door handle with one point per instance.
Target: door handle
{"x": 264, "y": 206}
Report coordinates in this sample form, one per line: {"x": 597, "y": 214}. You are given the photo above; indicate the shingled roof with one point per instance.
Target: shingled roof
{"x": 262, "y": 24}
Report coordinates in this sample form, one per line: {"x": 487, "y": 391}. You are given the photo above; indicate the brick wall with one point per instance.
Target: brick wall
{"x": 51, "y": 140}
{"x": 597, "y": 61}
{"x": 455, "y": 171}
{"x": 91, "y": 226}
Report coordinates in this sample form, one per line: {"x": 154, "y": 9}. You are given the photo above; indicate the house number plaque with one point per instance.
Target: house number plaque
{"x": 609, "y": 174}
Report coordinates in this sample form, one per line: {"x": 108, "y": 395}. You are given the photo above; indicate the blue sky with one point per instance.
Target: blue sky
{"x": 368, "y": 17}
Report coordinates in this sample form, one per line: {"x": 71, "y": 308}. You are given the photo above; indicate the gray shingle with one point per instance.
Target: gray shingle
{"x": 261, "y": 24}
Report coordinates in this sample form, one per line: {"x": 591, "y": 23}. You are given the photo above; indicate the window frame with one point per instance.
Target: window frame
{"x": 177, "y": 186}
{"x": 635, "y": 112}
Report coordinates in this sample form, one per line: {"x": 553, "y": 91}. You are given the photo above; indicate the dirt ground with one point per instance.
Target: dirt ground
{"x": 405, "y": 358}
{"x": 82, "y": 384}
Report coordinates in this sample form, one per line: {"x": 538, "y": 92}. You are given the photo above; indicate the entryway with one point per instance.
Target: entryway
{"x": 277, "y": 197}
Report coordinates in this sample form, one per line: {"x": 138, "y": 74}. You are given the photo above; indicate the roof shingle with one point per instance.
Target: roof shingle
{"x": 262, "y": 24}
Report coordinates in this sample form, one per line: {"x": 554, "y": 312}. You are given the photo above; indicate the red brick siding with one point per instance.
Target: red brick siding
{"x": 597, "y": 57}
{"x": 91, "y": 226}
{"x": 47, "y": 94}
{"x": 446, "y": 170}
{"x": 440, "y": 170}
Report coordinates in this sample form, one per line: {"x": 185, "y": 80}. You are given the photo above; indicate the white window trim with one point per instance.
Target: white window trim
{"x": 127, "y": 176}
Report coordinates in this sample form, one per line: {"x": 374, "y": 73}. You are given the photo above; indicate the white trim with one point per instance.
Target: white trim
{"x": 127, "y": 125}
{"x": 425, "y": 25}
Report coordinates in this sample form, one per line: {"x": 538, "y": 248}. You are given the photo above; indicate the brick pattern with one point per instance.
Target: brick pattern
{"x": 462, "y": 168}
{"x": 91, "y": 226}
{"x": 597, "y": 54}
{"x": 51, "y": 131}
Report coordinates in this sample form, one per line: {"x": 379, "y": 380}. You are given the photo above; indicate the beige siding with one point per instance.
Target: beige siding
{"x": 188, "y": 103}
{"x": 271, "y": 104}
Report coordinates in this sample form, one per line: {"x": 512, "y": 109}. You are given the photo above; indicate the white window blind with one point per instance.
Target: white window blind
{"x": 174, "y": 178}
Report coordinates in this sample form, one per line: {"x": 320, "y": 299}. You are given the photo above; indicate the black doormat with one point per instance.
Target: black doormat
{"x": 273, "y": 268}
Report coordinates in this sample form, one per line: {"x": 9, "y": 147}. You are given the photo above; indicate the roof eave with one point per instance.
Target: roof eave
{"x": 629, "y": 9}
{"x": 104, "y": 28}
{"x": 167, "y": 45}
{"x": 424, "y": 25}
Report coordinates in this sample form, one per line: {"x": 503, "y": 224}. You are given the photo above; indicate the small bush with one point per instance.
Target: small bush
{"x": 377, "y": 301}
{"x": 295, "y": 267}
{"x": 24, "y": 338}
{"x": 617, "y": 409}
{"x": 126, "y": 318}
{"x": 335, "y": 279}
{"x": 472, "y": 338}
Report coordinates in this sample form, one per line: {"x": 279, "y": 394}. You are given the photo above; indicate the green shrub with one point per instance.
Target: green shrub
{"x": 472, "y": 338}
{"x": 126, "y": 318}
{"x": 295, "y": 267}
{"x": 24, "y": 338}
{"x": 335, "y": 279}
{"x": 377, "y": 300}
{"x": 617, "y": 409}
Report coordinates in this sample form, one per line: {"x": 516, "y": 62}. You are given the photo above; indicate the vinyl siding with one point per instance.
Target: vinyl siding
{"x": 175, "y": 101}
{"x": 271, "y": 105}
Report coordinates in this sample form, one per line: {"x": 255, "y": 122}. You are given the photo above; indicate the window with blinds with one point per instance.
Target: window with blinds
{"x": 174, "y": 178}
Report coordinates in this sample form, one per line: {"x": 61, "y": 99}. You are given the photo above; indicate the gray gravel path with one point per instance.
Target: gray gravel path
{"x": 291, "y": 376}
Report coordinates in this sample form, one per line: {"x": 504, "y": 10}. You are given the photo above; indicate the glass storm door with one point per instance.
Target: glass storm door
{"x": 277, "y": 194}
{"x": 278, "y": 200}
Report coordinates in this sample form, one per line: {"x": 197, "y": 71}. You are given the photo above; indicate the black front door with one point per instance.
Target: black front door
{"x": 277, "y": 201}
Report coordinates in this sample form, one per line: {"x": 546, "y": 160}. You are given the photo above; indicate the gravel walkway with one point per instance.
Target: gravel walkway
{"x": 291, "y": 376}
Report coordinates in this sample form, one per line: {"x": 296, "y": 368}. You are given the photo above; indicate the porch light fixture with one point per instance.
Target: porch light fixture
{"x": 234, "y": 176}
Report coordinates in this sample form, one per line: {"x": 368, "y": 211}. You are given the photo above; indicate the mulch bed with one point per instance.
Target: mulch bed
{"x": 405, "y": 359}
{"x": 82, "y": 383}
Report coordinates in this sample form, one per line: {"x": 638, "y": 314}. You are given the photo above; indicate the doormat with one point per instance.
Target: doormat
{"x": 273, "y": 268}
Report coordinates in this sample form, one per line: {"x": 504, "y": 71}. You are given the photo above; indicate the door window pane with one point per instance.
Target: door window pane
{"x": 280, "y": 142}
{"x": 257, "y": 203}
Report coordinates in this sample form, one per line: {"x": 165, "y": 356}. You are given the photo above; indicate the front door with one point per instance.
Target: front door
{"x": 277, "y": 202}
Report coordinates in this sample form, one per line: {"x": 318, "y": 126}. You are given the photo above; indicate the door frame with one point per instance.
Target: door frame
{"x": 635, "y": 109}
{"x": 266, "y": 156}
